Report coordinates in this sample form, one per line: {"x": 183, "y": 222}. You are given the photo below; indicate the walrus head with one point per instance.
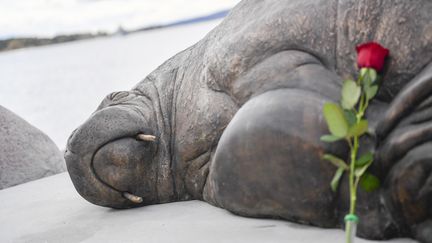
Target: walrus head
{"x": 111, "y": 157}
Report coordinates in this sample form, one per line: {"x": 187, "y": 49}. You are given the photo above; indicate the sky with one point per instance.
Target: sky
{"x": 47, "y": 18}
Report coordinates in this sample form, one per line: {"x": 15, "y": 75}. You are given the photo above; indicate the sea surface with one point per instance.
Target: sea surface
{"x": 57, "y": 87}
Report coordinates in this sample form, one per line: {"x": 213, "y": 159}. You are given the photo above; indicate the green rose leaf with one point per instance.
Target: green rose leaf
{"x": 372, "y": 75}
{"x": 369, "y": 182}
{"x": 336, "y": 179}
{"x": 363, "y": 71}
{"x": 338, "y": 162}
{"x": 350, "y": 116}
{"x": 371, "y": 91}
{"x": 369, "y": 76}
{"x": 358, "y": 129}
{"x": 358, "y": 172}
{"x": 350, "y": 94}
{"x": 364, "y": 159}
{"x": 335, "y": 119}
{"x": 329, "y": 138}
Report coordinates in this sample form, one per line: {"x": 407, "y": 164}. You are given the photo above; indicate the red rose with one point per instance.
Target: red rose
{"x": 371, "y": 55}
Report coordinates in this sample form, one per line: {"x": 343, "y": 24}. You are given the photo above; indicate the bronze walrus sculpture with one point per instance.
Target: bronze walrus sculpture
{"x": 236, "y": 119}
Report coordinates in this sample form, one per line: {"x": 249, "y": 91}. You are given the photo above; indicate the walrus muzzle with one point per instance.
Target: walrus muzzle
{"x": 109, "y": 154}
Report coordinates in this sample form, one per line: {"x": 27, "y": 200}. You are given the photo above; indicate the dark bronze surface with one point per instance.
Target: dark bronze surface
{"x": 237, "y": 119}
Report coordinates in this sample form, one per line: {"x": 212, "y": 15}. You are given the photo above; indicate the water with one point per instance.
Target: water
{"x": 57, "y": 87}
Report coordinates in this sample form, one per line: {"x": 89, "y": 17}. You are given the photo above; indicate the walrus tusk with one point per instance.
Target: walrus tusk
{"x": 145, "y": 137}
{"x": 132, "y": 198}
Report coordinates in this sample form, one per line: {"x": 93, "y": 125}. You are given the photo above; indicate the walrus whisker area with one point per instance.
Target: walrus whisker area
{"x": 146, "y": 137}
{"x": 132, "y": 198}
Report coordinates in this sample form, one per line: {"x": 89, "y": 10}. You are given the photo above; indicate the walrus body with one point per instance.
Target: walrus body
{"x": 237, "y": 119}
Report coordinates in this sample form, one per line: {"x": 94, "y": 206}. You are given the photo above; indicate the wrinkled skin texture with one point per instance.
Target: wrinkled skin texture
{"x": 238, "y": 119}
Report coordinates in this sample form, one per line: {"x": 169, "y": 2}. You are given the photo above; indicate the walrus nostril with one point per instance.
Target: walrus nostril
{"x": 132, "y": 198}
{"x": 146, "y": 137}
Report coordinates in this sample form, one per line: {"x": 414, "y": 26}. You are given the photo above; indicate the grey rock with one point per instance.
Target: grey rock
{"x": 26, "y": 153}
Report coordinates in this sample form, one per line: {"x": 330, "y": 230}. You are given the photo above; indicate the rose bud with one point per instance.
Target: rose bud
{"x": 371, "y": 55}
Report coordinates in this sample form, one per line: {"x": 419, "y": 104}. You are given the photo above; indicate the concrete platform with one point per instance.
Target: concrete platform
{"x": 49, "y": 210}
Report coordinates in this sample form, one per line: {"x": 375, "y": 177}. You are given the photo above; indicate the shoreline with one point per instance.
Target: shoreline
{"x": 26, "y": 42}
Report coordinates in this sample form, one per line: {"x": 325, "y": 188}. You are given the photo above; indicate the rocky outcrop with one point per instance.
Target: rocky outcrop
{"x": 26, "y": 153}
